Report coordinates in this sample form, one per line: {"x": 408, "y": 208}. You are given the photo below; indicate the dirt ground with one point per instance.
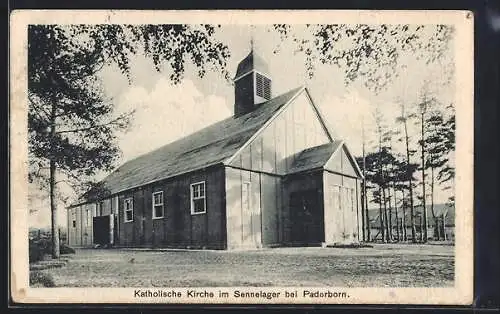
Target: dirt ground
{"x": 381, "y": 266}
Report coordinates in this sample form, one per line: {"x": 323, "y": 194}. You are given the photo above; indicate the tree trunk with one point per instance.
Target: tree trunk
{"x": 389, "y": 225}
{"x": 398, "y": 235}
{"x": 422, "y": 228}
{"x": 363, "y": 189}
{"x": 403, "y": 219}
{"x": 52, "y": 191}
{"x": 386, "y": 224}
{"x": 410, "y": 185}
{"x": 381, "y": 216}
{"x": 363, "y": 226}
{"x": 422, "y": 150}
{"x": 436, "y": 225}
{"x": 444, "y": 227}
{"x": 367, "y": 216}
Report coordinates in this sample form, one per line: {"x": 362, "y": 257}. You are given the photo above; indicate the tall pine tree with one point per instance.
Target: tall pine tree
{"x": 72, "y": 125}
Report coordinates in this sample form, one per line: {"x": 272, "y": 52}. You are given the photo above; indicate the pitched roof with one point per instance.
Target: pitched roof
{"x": 318, "y": 156}
{"x": 251, "y": 62}
{"x": 209, "y": 146}
{"x": 314, "y": 157}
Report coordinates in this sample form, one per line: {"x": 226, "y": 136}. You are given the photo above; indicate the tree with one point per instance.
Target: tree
{"x": 423, "y": 110}
{"x": 377, "y": 174}
{"x": 370, "y": 53}
{"x": 364, "y": 197}
{"x": 402, "y": 174}
{"x": 72, "y": 126}
{"x": 439, "y": 143}
{"x": 403, "y": 119}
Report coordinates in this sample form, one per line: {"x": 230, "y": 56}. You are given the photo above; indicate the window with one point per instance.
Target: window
{"x": 74, "y": 223}
{"x": 128, "y": 210}
{"x": 158, "y": 204}
{"x": 198, "y": 200}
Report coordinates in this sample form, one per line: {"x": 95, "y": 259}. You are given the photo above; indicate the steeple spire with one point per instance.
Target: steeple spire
{"x": 252, "y": 28}
{"x": 252, "y": 84}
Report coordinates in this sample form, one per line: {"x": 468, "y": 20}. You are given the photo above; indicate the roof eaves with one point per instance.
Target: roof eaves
{"x": 153, "y": 181}
{"x": 319, "y": 115}
{"x": 349, "y": 155}
{"x": 341, "y": 142}
{"x": 360, "y": 173}
{"x": 304, "y": 171}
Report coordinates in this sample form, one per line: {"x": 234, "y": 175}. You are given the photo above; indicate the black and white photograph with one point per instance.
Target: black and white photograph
{"x": 242, "y": 156}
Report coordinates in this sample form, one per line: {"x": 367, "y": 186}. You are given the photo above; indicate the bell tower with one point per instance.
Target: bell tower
{"x": 252, "y": 84}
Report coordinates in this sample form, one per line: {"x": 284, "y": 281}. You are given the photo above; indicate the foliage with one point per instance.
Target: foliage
{"x": 72, "y": 126}
{"x": 36, "y": 252}
{"x": 65, "y": 93}
{"x": 371, "y": 53}
{"x": 39, "y": 248}
{"x": 440, "y": 142}
{"x": 41, "y": 278}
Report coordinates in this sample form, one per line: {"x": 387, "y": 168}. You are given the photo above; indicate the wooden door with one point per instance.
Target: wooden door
{"x": 101, "y": 230}
{"x": 306, "y": 217}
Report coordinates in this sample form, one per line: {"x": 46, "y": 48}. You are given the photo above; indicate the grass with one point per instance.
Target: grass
{"x": 389, "y": 265}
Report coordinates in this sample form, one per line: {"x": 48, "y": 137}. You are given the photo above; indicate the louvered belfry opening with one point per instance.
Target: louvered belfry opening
{"x": 252, "y": 85}
{"x": 263, "y": 86}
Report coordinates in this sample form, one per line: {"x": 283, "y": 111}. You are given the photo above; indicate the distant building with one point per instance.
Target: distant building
{"x": 441, "y": 226}
{"x": 271, "y": 175}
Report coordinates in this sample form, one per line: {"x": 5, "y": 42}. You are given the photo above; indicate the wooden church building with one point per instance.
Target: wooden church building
{"x": 270, "y": 175}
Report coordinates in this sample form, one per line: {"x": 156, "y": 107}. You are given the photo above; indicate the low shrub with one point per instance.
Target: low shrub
{"x": 38, "y": 278}
{"x": 64, "y": 249}
{"x": 39, "y": 248}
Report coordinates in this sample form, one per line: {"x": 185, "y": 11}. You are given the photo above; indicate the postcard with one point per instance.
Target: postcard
{"x": 241, "y": 157}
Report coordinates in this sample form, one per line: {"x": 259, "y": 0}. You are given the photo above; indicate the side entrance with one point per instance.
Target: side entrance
{"x": 307, "y": 218}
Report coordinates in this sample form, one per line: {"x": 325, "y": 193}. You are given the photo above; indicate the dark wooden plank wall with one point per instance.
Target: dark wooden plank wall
{"x": 178, "y": 228}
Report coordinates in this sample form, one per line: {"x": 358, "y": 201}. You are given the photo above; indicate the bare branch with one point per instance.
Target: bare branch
{"x": 115, "y": 121}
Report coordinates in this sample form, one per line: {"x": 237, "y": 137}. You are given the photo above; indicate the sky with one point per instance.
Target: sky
{"x": 165, "y": 112}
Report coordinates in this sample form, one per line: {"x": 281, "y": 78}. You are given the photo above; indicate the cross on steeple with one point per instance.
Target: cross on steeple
{"x": 252, "y": 28}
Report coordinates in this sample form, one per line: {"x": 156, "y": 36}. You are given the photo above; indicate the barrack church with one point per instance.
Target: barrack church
{"x": 270, "y": 175}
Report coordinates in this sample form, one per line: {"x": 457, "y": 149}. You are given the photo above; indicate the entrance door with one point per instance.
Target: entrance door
{"x": 306, "y": 217}
{"x": 101, "y": 227}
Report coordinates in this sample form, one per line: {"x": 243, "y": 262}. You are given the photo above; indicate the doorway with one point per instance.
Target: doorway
{"x": 307, "y": 218}
{"x": 101, "y": 228}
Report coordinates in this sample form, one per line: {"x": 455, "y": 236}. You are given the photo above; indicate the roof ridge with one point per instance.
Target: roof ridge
{"x": 210, "y": 145}
{"x": 294, "y": 92}
{"x": 206, "y": 127}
